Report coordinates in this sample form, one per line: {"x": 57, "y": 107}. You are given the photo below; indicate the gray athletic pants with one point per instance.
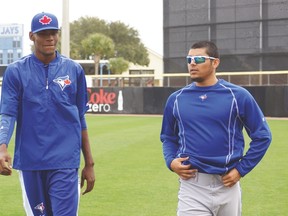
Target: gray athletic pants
{"x": 205, "y": 195}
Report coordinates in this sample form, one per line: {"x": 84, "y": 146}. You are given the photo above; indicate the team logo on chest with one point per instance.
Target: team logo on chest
{"x": 63, "y": 81}
{"x": 203, "y": 97}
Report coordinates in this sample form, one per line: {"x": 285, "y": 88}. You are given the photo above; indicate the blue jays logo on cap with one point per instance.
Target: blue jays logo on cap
{"x": 44, "y": 21}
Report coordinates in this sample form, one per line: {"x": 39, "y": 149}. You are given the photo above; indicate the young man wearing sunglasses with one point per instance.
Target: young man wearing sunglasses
{"x": 203, "y": 141}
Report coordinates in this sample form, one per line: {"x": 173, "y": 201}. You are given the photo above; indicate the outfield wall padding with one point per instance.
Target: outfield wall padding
{"x": 273, "y": 100}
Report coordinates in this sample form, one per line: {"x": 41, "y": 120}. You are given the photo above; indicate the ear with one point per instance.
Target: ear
{"x": 216, "y": 62}
{"x": 31, "y": 36}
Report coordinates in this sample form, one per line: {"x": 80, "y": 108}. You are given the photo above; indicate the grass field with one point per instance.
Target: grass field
{"x": 132, "y": 179}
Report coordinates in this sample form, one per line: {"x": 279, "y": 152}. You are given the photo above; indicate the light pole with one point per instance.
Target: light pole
{"x": 65, "y": 31}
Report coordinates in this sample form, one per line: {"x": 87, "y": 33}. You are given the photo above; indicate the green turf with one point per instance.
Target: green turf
{"x": 265, "y": 190}
{"x": 132, "y": 179}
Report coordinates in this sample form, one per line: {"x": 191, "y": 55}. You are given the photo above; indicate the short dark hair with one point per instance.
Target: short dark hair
{"x": 211, "y": 48}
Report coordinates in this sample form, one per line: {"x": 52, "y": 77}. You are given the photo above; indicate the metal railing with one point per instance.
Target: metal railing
{"x": 259, "y": 78}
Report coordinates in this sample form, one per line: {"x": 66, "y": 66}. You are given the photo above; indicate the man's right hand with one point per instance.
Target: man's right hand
{"x": 183, "y": 171}
{"x": 5, "y": 161}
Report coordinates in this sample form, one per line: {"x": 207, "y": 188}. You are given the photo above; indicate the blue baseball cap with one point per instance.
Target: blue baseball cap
{"x": 44, "y": 21}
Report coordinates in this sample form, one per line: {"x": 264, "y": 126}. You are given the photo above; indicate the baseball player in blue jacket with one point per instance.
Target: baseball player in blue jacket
{"x": 203, "y": 141}
{"x": 45, "y": 93}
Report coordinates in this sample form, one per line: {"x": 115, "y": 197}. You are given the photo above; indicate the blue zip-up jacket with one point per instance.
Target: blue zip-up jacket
{"x": 206, "y": 124}
{"x": 49, "y": 102}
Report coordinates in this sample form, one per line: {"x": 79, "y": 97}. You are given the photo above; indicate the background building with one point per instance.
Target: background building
{"x": 155, "y": 69}
{"x": 11, "y": 43}
{"x": 252, "y": 35}
{"x": 135, "y": 76}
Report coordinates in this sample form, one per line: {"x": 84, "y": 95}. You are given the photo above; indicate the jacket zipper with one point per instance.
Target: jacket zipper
{"x": 46, "y": 83}
{"x": 46, "y": 73}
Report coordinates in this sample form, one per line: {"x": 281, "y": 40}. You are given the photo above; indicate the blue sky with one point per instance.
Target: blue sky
{"x": 144, "y": 16}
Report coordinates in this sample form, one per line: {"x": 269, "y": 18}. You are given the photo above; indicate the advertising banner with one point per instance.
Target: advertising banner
{"x": 115, "y": 100}
{"x": 272, "y": 100}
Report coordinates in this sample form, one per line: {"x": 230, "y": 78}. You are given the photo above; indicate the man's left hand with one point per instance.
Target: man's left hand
{"x": 231, "y": 178}
{"x": 88, "y": 175}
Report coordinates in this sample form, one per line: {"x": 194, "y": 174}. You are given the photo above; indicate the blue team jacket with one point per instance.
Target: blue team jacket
{"x": 48, "y": 103}
{"x": 206, "y": 123}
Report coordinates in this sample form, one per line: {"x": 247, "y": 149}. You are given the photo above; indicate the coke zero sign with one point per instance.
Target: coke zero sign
{"x": 104, "y": 100}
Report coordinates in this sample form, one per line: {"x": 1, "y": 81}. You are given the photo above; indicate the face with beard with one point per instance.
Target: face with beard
{"x": 202, "y": 67}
